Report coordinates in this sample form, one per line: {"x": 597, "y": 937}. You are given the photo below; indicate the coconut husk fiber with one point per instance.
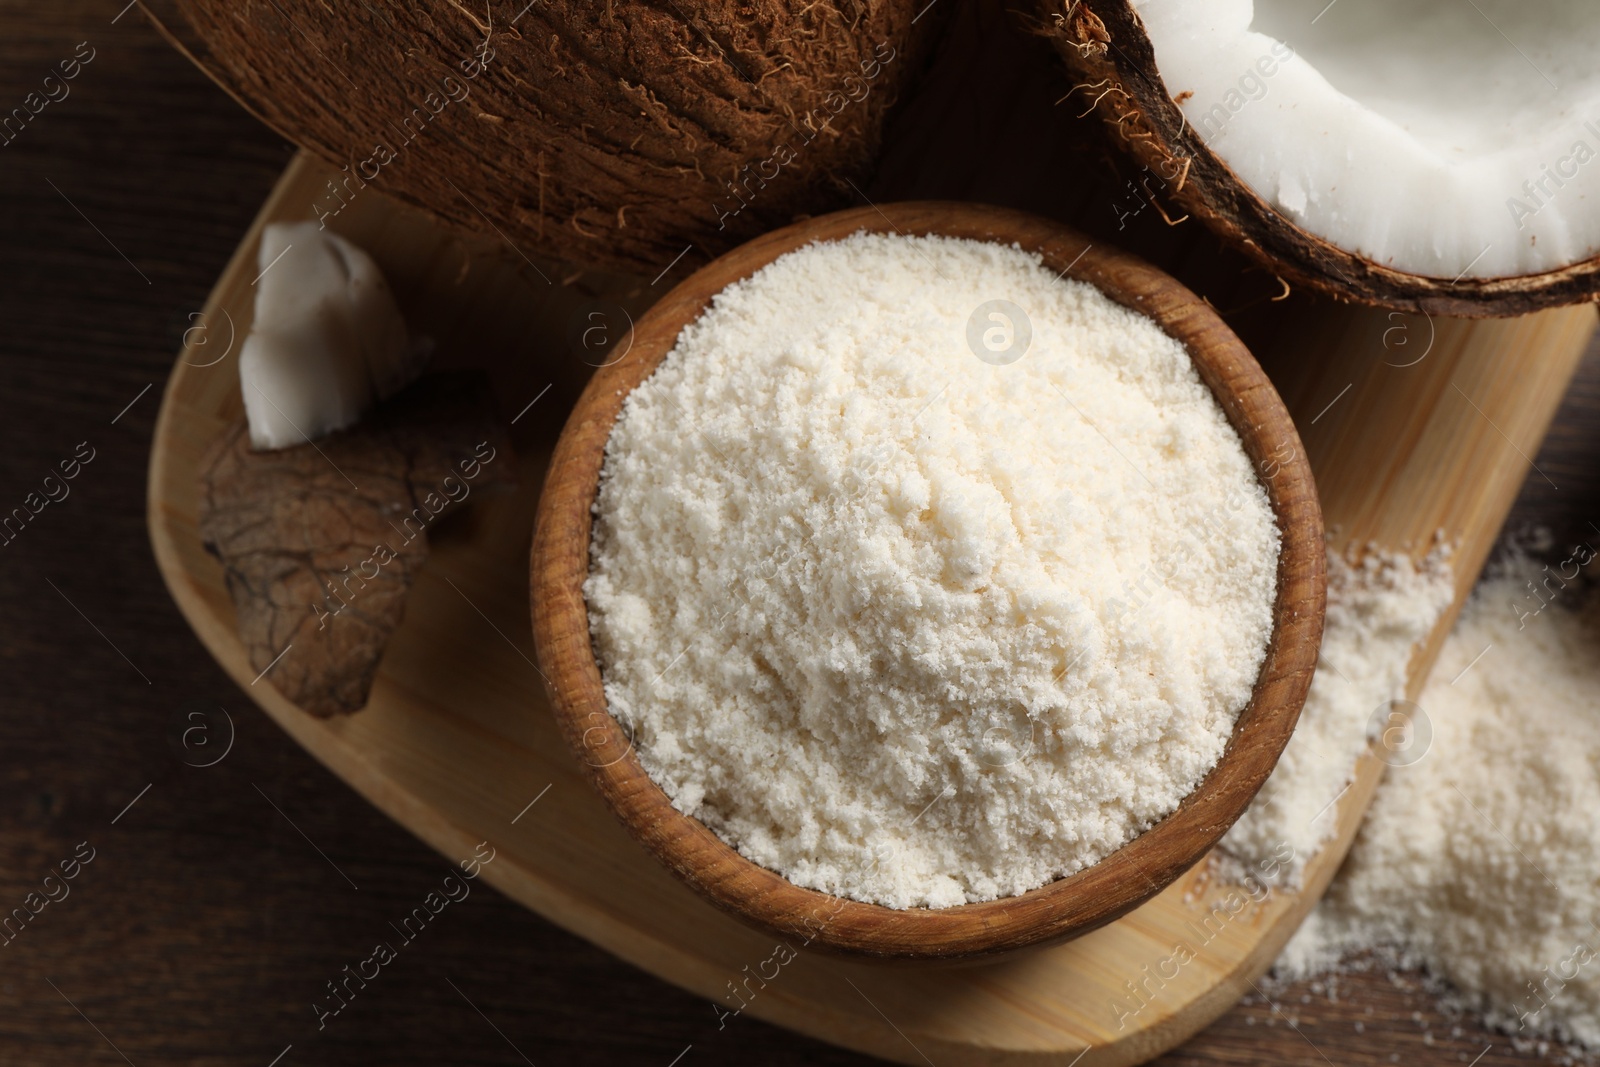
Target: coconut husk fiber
{"x": 612, "y": 133}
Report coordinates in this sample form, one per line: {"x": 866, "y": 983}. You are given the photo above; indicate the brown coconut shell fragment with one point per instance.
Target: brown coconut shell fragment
{"x": 321, "y": 542}
{"x": 616, "y": 134}
{"x": 1113, "y": 63}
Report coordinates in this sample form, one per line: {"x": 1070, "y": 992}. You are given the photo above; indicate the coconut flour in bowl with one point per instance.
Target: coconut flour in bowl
{"x": 923, "y": 577}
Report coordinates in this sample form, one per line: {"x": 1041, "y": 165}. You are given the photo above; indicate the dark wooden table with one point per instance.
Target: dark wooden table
{"x": 207, "y": 923}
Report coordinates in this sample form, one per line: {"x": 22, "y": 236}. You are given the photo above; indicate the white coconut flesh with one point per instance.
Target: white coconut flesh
{"x": 1450, "y": 138}
{"x": 328, "y": 340}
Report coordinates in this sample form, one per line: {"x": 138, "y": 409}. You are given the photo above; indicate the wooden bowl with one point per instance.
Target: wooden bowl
{"x": 1068, "y": 906}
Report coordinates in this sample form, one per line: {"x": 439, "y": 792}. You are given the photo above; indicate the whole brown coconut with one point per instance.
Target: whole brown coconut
{"x": 614, "y": 133}
{"x": 1106, "y": 45}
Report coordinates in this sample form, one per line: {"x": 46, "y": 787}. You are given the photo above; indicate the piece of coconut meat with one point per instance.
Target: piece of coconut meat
{"x": 328, "y": 340}
{"x": 1450, "y": 138}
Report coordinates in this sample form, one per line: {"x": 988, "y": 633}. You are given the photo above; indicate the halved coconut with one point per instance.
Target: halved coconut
{"x": 1432, "y": 155}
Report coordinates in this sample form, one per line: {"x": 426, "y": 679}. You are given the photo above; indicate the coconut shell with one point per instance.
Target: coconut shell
{"x": 321, "y": 542}
{"x": 612, "y": 133}
{"x": 1113, "y": 62}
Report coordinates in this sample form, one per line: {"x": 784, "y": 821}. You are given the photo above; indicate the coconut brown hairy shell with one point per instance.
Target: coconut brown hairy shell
{"x": 615, "y": 133}
{"x": 1112, "y": 60}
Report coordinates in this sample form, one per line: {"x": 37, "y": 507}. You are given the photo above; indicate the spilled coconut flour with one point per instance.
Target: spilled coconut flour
{"x": 1478, "y": 862}
{"x": 1378, "y": 610}
{"x": 901, "y": 623}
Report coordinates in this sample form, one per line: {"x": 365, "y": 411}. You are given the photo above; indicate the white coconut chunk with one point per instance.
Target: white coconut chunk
{"x": 328, "y": 340}
{"x": 1438, "y": 137}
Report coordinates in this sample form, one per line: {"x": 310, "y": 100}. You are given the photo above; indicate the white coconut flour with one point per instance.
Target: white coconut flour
{"x": 908, "y": 625}
{"x": 1477, "y": 862}
{"x": 1378, "y": 610}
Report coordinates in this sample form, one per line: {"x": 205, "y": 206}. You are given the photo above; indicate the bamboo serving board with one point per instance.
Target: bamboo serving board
{"x": 459, "y": 746}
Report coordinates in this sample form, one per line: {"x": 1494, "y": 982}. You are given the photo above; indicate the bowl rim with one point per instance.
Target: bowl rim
{"x": 1061, "y": 909}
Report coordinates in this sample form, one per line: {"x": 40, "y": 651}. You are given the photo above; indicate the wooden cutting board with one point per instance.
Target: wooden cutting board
{"x": 1414, "y": 428}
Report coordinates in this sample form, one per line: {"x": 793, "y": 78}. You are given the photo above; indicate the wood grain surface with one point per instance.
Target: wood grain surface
{"x": 215, "y": 910}
{"x": 1067, "y": 907}
{"x": 457, "y": 725}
